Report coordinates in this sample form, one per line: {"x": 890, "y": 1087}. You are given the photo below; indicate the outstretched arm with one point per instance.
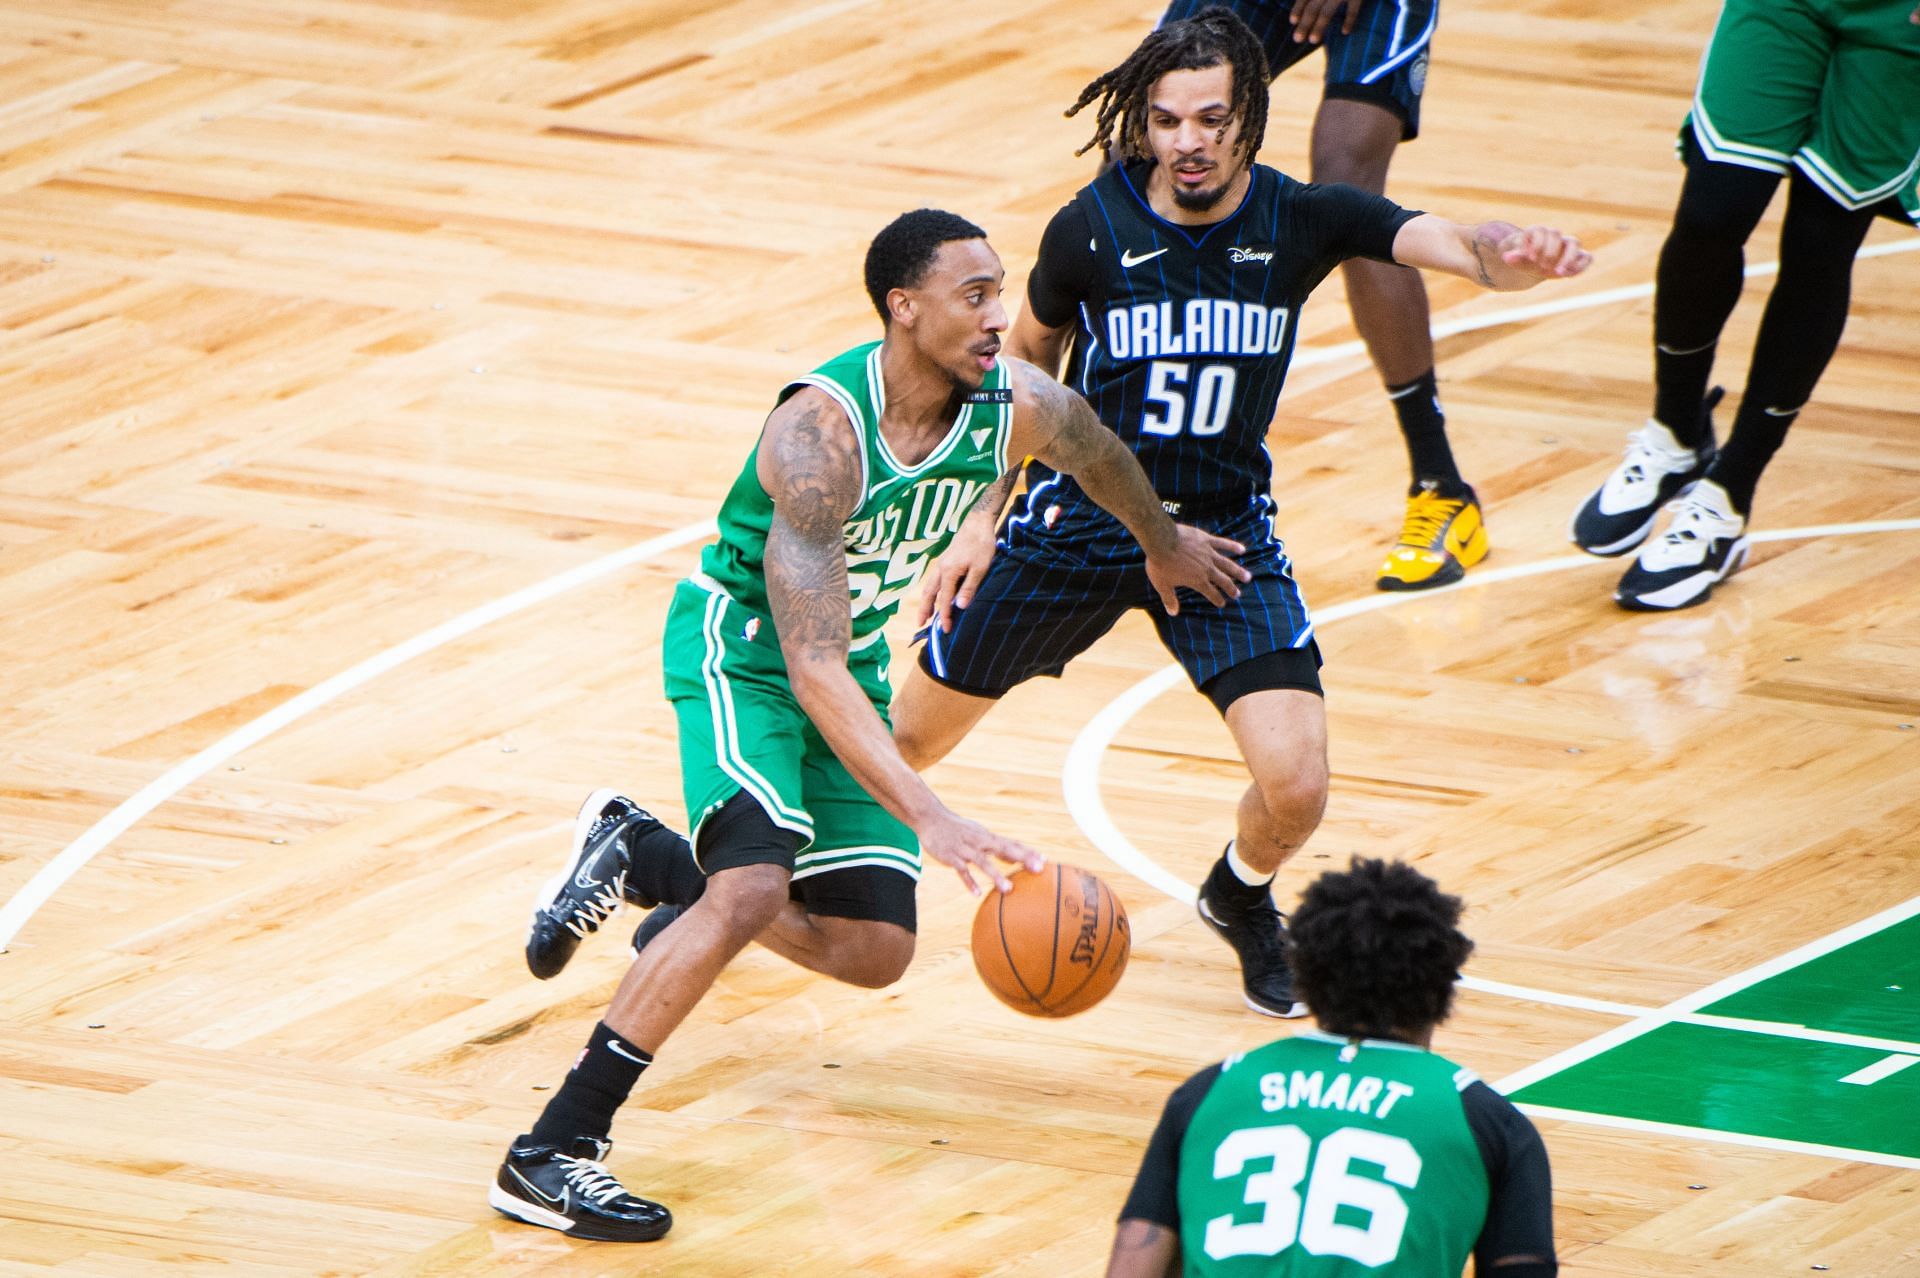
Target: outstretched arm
{"x": 809, "y": 465}
{"x": 1495, "y": 255}
{"x": 1057, "y": 426}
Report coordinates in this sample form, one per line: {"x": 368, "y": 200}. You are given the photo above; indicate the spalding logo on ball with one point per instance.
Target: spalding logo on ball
{"x": 1053, "y": 946}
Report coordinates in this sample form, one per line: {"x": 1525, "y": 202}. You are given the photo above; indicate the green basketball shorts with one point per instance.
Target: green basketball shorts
{"x": 741, "y": 728}
{"x": 1831, "y": 87}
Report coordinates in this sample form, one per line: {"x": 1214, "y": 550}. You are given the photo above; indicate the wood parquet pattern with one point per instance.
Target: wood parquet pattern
{"x": 324, "y": 322}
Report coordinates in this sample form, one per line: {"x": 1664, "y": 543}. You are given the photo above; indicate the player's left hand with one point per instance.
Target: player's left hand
{"x": 1311, "y": 18}
{"x": 1545, "y": 253}
{"x": 1201, "y": 562}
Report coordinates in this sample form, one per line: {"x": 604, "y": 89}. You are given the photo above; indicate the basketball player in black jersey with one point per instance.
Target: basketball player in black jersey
{"x": 1375, "y": 78}
{"x": 1174, "y": 283}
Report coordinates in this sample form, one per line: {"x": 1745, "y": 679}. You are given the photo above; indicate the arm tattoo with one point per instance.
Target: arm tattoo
{"x": 1068, "y": 429}
{"x": 994, "y": 500}
{"x": 814, "y": 480}
{"x": 1479, "y": 263}
{"x": 1138, "y": 1235}
{"x": 1069, "y": 438}
{"x": 1141, "y": 1247}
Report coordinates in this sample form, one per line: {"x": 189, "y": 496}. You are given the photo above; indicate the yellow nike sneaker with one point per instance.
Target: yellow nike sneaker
{"x": 1442, "y": 537}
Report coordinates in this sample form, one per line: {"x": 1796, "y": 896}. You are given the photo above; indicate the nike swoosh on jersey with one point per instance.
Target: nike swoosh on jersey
{"x": 1128, "y": 259}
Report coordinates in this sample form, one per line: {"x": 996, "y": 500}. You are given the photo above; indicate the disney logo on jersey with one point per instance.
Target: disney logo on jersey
{"x": 1239, "y": 255}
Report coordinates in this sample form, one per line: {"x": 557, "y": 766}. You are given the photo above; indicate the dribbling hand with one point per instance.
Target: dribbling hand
{"x": 969, "y": 847}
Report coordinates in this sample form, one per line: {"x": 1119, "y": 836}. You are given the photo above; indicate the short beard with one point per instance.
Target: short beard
{"x": 1200, "y": 201}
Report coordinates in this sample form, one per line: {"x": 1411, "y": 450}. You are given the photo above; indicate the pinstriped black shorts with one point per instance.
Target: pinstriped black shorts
{"x": 1383, "y": 61}
{"x": 1040, "y": 607}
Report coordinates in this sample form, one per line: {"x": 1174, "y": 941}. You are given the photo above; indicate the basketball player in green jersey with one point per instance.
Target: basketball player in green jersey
{"x": 807, "y": 824}
{"x": 1354, "y": 1150}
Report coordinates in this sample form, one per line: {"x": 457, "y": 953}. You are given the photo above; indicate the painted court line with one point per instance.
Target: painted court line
{"x": 1722, "y": 1138}
{"x": 1080, "y": 778}
{"x": 1780, "y": 1029}
{"x": 1318, "y": 355}
{"x": 16, "y": 912}
{"x": 1692, "y": 1003}
{"x": 49, "y": 878}
{"x": 1880, "y": 1069}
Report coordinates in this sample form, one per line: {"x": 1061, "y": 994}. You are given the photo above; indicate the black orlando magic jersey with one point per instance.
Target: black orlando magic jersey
{"x": 1183, "y": 333}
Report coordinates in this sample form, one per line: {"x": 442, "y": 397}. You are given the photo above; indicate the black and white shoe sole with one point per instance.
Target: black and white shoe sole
{"x": 516, "y": 1208}
{"x": 1689, "y": 590}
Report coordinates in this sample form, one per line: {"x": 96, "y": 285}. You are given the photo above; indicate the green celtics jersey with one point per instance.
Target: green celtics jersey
{"x": 907, "y": 514}
{"x": 1313, "y": 1157}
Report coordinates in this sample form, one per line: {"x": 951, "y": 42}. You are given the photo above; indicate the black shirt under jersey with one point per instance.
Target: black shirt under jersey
{"x": 1519, "y": 1181}
{"x": 1183, "y": 333}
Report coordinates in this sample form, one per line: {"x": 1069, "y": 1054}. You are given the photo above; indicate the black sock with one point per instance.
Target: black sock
{"x": 1424, "y": 426}
{"x": 1702, "y": 266}
{"x": 661, "y": 865}
{"x": 1799, "y": 332}
{"x": 597, "y": 1085}
{"x": 1224, "y": 885}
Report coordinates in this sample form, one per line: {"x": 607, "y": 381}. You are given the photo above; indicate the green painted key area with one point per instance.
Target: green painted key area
{"x": 1734, "y": 1081}
{"x": 1869, "y": 987}
{"x": 1759, "y": 1084}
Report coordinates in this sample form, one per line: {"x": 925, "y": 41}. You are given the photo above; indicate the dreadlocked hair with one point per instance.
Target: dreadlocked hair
{"x": 1211, "y": 37}
{"x": 1376, "y": 950}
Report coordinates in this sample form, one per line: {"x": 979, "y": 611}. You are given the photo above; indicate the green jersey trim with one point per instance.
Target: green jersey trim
{"x": 877, "y": 392}
{"x": 854, "y": 416}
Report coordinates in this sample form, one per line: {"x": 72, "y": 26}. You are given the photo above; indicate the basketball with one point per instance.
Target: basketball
{"x": 1053, "y": 946}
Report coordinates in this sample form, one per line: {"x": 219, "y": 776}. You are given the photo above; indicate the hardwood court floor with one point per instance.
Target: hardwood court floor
{"x": 323, "y": 323}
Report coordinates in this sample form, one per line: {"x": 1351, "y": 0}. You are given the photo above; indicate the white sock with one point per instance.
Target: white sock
{"x": 1242, "y": 871}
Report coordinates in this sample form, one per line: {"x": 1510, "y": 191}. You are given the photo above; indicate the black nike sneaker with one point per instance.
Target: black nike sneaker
{"x": 1258, "y": 934}
{"x": 653, "y": 925}
{"x": 588, "y": 890}
{"x": 574, "y": 1193}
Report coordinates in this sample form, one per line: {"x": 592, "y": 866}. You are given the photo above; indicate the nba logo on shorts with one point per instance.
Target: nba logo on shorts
{"x": 751, "y": 629}
{"x": 1417, "y": 74}
{"x": 1052, "y": 516}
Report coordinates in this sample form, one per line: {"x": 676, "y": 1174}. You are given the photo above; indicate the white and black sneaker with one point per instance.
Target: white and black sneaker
{"x": 590, "y": 887}
{"x": 1657, "y": 468}
{"x": 1258, "y": 934}
{"x": 1704, "y": 545}
{"x": 572, "y": 1191}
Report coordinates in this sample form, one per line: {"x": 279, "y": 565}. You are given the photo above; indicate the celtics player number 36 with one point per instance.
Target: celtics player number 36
{"x": 1313, "y": 1220}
